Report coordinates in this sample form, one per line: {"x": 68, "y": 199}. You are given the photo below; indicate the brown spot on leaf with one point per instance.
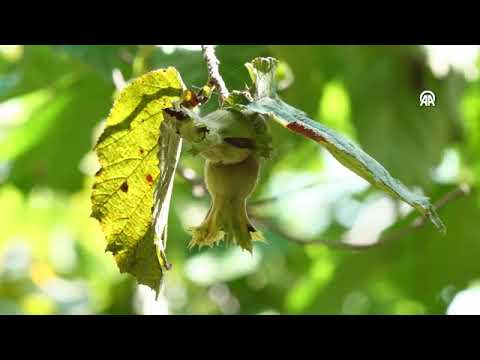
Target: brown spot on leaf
{"x": 149, "y": 179}
{"x": 141, "y": 151}
{"x": 124, "y": 187}
{"x": 305, "y": 131}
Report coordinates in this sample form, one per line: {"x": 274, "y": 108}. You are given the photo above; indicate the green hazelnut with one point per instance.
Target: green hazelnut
{"x": 229, "y": 186}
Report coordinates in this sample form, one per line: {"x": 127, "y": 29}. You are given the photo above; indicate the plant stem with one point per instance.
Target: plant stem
{"x": 460, "y": 191}
{"x": 214, "y": 78}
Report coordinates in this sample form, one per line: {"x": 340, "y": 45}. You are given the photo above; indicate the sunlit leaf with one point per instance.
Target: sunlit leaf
{"x": 123, "y": 194}
{"x": 40, "y": 157}
{"x": 26, "y": 119}
{"x": 39, "y": 67}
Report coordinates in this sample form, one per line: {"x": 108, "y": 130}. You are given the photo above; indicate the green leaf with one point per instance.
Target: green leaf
{"x": 17, "y": 139}
{"x": 37, "y": 147}
{"x": 39, "y": 66}
{"x": 420, "y": 134}
{"x": 102, "y": 58}
{"x": 124, "y": 195}
{"x": 312, "y": 67}
{"x": 383, "y": 84}
{"x": 341, "y": 148}
{"x": 262, "y": 73}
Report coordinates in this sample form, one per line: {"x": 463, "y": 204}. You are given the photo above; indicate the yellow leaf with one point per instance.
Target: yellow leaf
{"x": 123, "y": 194}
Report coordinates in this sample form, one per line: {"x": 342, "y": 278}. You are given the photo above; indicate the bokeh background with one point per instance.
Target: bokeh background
{"x": 53, "y": 100}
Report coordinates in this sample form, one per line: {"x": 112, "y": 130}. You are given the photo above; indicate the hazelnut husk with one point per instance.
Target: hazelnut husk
{"x": 229, "y": 185}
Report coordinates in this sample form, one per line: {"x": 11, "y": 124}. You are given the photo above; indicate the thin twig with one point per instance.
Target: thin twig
{"x": 460, "y": 191}
{"x": 214, "y": 77}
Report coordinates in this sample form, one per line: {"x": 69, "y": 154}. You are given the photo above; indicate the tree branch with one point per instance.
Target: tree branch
{"x": 199, "y": 188}
{"x": 420, "y": 221}
{"x": 214, "y": 77}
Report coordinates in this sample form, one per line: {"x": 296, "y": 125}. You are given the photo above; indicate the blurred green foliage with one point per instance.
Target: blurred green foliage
{"x": 53, "y": 100}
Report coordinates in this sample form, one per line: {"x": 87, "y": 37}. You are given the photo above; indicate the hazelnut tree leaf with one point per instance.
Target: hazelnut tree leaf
{"x": 132, "y": 186}
{"x": 265, "y": 101}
